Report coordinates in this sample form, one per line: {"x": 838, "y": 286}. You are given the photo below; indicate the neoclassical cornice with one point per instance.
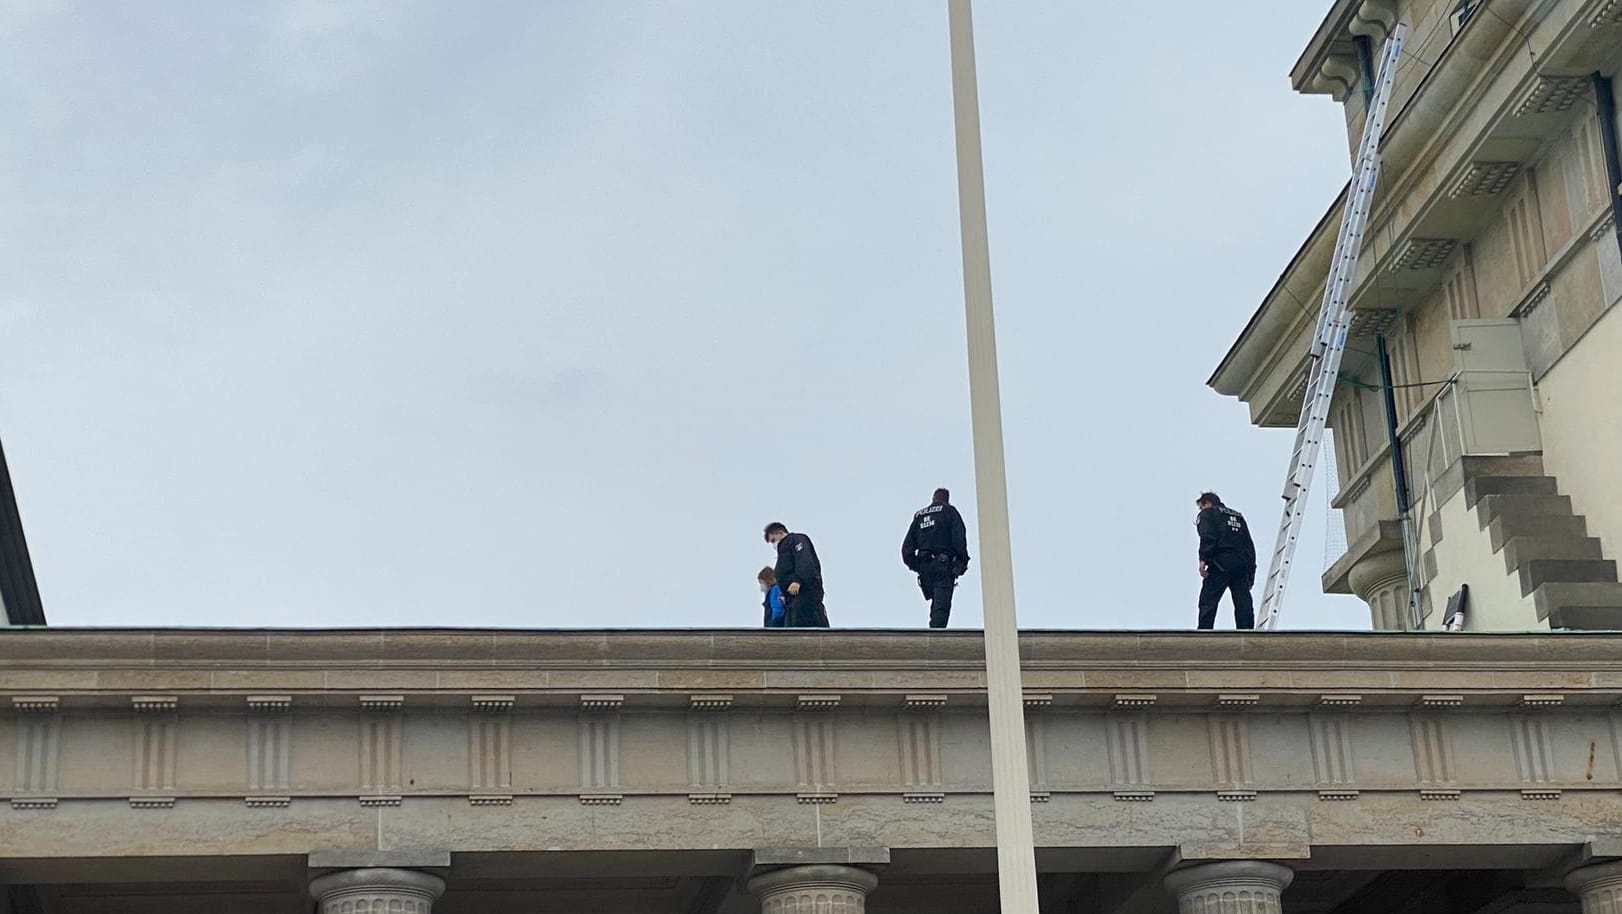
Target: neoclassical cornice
{"x": 802, "y": 672}
{"x": 1329, "y": 65}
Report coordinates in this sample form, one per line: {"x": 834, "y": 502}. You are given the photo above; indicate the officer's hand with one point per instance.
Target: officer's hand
{"x": 1204, "y": 570}
{"x": 794, "y": 589}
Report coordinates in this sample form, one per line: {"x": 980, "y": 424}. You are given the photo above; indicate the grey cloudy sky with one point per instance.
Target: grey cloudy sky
{"x": 519, "y": 313}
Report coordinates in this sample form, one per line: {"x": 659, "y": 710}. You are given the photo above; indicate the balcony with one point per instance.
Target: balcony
{"x": 1474, "y": 413}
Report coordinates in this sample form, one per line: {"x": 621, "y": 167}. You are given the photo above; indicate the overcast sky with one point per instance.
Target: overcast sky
{"x": 533, "y": 313}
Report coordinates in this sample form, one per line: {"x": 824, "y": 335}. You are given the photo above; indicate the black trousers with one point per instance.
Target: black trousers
{"x": 1238, "y": 583}
{"x": 805, "y": 609}
{"x": 936, "y": 580}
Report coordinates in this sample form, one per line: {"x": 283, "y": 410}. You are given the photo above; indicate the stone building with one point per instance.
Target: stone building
{"x": 1491, "y": 266}
{"x": 194, "y": 771}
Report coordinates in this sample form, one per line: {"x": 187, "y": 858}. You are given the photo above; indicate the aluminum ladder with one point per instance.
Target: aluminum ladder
{"x": 1329, "y": 341}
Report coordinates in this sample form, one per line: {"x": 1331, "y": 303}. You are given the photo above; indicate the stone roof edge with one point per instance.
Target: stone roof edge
{"x": 1334, "y": 25}
{"x": 1251, "y": 342}
{"x": 61, "y": 648}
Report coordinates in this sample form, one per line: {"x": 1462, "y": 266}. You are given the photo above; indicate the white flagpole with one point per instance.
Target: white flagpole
{"x": 1016, "y": 854}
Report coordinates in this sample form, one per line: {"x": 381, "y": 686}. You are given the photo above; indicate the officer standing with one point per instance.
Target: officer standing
{"x": 1227, "y": 561}
{"x": 799, "y": 573}
{"x": 937, "y": 550}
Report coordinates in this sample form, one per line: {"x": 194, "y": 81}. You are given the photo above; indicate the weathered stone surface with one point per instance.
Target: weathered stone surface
{"x": 1181, "y": 747}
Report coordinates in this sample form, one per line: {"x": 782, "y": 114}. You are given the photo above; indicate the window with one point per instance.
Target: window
{"x": 1462, "y": 13}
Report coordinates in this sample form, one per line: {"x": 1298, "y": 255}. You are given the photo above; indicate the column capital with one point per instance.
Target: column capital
{"x": 1203, "y": 887}
{"x": 1376, "y": 571}
{"x": 846, "y": 885}
{"x": 1598, "y": 885}
{"x": 376, "y": 889}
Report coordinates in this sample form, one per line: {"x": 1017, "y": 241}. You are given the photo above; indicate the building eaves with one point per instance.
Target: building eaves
{"x": 1330, "y": 33}
{"x": 1261, "y": 335}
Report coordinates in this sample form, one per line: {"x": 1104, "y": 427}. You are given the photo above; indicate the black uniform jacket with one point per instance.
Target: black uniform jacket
{"x": 936, "y": 529}
{"x": 797, "y": 563}
{"x": 1225, "y": 541}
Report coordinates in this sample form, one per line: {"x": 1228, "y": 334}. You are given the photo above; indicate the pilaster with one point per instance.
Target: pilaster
{"x": 818, "y": 889}
{"x": 376, "y": 890}
{"x": 1249, "y": 886}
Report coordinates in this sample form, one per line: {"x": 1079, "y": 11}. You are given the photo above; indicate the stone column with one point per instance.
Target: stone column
{"x": 1230, "y": 887}
{"x": 821, "y": 889}
{"x": 1598, "y": 886}
{"x": 1381, "y": 581}
{"x": 376, "y": 890}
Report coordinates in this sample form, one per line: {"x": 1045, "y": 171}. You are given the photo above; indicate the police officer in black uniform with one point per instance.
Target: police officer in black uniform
{"x": 1227, "y": 561}
{"x": 799, "y": 573}
{"x": 937, "y": 550}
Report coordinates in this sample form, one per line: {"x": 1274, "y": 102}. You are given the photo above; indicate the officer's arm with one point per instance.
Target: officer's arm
{"x": 798, "y": 564}
{"x": 806, "y": 565}
{"x": 785, "y": 565}
{"x": 909, "y": 546}
{"x": 1209, "y": 532}
{"x": 960, "y": 539}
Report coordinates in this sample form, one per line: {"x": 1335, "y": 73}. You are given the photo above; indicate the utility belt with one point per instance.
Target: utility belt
{"x": 935, "y": 556}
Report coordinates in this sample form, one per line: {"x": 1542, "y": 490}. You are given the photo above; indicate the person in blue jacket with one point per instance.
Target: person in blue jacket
{"x": 773, "y": 603}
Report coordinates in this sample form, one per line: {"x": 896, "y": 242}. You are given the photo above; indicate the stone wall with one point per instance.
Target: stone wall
{"x": 1267, "y": 745}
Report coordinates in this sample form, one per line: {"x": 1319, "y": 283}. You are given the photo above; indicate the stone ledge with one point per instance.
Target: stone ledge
{"x": 1338, "y": 794}
{"x": 407, "y": 858}
{"x": 267, "y": 802}
{"x": 377, "y": 801}
{"x": 601, "y": 799}
{"x": 490, "y": 799}
{"x": 1385, "y": 537}
{"x": 556, "y": 661}
{"x": 33, "y": 802}
{"x": 709, "y": 799}
{"x": 826, "y": 856}
{"x": 816, "y": 799}
{"x": 924, "y": 797}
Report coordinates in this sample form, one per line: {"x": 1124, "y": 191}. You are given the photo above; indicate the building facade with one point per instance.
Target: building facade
{"x": 1491, "y": 265}
{"x": 803, "y": 772}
